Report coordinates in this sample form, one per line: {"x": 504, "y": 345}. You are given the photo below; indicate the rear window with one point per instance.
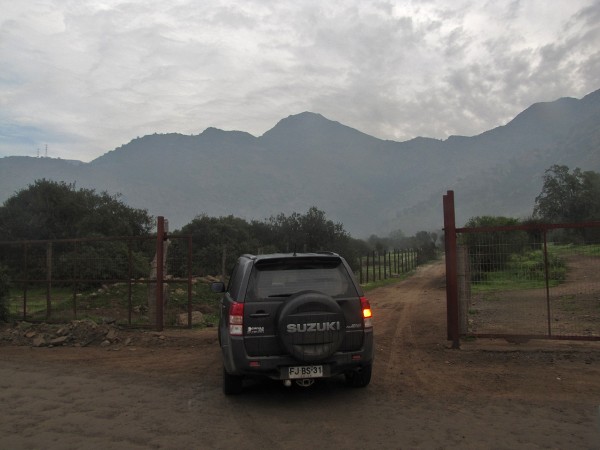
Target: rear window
{"x": 284, "y": 278}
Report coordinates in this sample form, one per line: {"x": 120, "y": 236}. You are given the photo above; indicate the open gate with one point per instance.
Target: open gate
{"x": 534, "y": 281}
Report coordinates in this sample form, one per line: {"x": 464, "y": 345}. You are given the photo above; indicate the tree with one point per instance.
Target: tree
{"x": 307, "y": 232}
{"x": 49, "y": 210}
{"x": 425, "y": 243}
{"x": 297, "y": 232}
{"x": 378, "y": 244}
{"x": 213, "y": 235}
{"x": 321, "y": 234}
{"x": 397, "y": 239}
{"x": 568, "y": 196}
{"x": 56, "y": 210}
{"x": 286, "y": 232}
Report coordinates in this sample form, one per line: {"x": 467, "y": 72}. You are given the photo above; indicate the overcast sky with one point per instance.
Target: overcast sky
{"x": 85, "y": 77}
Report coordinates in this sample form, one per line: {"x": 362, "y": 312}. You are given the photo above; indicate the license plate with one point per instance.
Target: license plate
{"x": 305, "y": 372}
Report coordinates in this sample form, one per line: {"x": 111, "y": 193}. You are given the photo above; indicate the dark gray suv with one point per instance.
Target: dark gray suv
{"x": 294, "y": 317}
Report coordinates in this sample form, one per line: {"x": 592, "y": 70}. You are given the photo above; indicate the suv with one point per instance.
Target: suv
{"x": 294, "y": 317}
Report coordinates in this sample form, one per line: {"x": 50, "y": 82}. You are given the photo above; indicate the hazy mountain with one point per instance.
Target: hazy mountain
{"x": 368, "y": 184}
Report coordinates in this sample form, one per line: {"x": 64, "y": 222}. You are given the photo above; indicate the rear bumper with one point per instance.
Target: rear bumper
{"x": 237, "y": 361}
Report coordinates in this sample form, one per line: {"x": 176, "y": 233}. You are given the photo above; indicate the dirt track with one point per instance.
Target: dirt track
{"x": 489, "y": 394}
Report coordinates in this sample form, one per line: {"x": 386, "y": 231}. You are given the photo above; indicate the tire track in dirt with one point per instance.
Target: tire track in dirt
{"x": 406, "y": 324}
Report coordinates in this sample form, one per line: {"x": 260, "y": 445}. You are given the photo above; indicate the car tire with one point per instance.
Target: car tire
{"x": 359, "y": 378}
{"x": 311, "y": 308}
{"x": 232, "y": 384}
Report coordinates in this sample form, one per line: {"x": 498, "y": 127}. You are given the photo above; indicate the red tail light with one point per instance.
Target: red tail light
{"x": 366, "y": 312}
{"x": 236, "y": 319}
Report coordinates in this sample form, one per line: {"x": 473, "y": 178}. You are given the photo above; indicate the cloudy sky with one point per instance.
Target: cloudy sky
{"x": 84, "y": 77}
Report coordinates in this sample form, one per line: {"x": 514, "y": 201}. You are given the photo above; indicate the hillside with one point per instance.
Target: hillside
{"x": 370, "y": 185}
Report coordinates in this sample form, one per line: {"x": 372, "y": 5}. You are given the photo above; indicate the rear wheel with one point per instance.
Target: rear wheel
{"x": 232, "y": 384}
{"x": 359, "y": 378}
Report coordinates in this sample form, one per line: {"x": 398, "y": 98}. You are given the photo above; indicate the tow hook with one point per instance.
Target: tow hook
{"x": 287, "y": 383}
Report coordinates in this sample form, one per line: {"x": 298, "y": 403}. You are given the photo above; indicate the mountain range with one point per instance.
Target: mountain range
{"x": 370, "y": 185}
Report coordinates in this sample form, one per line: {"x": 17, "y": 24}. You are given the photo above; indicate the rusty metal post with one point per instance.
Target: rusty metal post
{"x": 48, "y": 279}
{"x": 25, "y": 280}
{"x": 547, "y": 276}
{"x": 451, "y": 270}
{"x": 189, "y": 280}
{"x": 160, "y": 238}
{"x": 129, "y": 278}
{"x": 75, "y": 273}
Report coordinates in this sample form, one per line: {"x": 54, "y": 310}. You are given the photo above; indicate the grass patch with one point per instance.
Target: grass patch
{"x": 380, "y": 283}
{"x": 571, "y": 249}
{"x": 113, "y": 301}
{"x": 523, "y": 271}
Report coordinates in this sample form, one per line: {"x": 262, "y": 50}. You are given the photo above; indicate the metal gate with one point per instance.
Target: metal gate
{"x": 522, "y": 282}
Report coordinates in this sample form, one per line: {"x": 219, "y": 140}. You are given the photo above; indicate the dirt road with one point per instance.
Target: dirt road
{"x": 489, "y": 394}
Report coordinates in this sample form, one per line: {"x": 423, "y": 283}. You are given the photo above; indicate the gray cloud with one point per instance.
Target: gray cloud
{"x": 87, "y": 76}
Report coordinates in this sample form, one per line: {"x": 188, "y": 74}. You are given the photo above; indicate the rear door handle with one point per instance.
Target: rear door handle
{"x": 259, "y": 315}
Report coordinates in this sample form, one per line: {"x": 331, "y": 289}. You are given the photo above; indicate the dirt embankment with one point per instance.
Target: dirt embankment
{"x": 163, "y": 390}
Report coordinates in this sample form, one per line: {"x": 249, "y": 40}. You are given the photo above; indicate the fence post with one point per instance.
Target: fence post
{"x": 75, "y": 273}
{"x": 547, "y": 276}
{"x": 464, "y": 285}
{"x": 189, "y": 280}
{"x": 451, "y": 270}
{"x": 373, "y": 264}
{"x": 360, "y": 270}
{"x": 160, "y": 238}
{"x": 129, "y": 276}
{"x": 223, "y": 261}
{"x": 384, "y": 265}
{"x": 48, "y": 279}
{"x": 25, "y": 280}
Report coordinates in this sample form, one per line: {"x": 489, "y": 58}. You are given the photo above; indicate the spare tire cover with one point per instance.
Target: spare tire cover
{"x": 311, "y": 326}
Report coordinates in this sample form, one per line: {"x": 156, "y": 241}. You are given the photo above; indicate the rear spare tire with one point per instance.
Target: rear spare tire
{"x": 311, "y": 326}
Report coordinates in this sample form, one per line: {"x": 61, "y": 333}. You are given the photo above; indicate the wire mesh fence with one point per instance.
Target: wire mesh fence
{"x": 118, "y": 280}
{"x": 540, "y": 281}
{"x": 104, "y": 279}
